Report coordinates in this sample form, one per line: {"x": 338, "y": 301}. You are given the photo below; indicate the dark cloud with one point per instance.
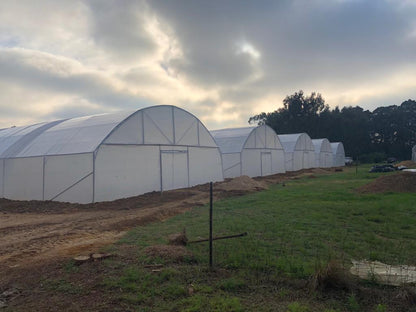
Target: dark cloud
{"x": 119, "y": 27}
{"x": 209, "y": 34}
{"x": 299, "y": 41}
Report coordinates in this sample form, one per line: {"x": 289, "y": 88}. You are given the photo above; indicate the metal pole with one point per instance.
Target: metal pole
{"x": 356, "y": 166}
{"x": 210, "y": 224}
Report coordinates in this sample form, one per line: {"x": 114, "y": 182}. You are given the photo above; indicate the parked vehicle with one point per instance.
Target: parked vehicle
{"x": 383, "y": 168}
{"x": 391, "y": 160}
{"x": 348, "y": 161}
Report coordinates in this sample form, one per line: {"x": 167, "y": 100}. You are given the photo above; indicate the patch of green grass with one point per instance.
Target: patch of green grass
{"x": 353, "y": 305}
{"x": 70, "y": 267}
{"x": 292, "y": 231}
{"x": 199, "y": 303}
{"x": 381, "y": 308}
{"x": 232, "y": 284}
{"x": 62, "y": 286}
{"x": 289, "y": 228}
{"x": 297, "y": 307}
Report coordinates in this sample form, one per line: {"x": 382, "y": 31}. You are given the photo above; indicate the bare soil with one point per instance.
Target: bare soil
{"x": 407, "y": 163}
{"x": 33, "y": 233}
{"x": 171, "y": 253}
{"x": 403, "y": 182}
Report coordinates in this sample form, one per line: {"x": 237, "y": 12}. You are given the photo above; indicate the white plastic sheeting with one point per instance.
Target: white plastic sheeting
{"x": 323, "y": 153}
{"x": 414, "y": 153}
{"x": 299, "y": 151}
{"x": 65, "y": 173}
{"x": 14, "y": 139}
{"x": 338, "y": 154}
{"x": 120, "y": 171}
{"x": 73, "y": 136}
{"x": 109, "y": 156}
{"x": 252, "y": 151}
{"x": 23, "y": 178}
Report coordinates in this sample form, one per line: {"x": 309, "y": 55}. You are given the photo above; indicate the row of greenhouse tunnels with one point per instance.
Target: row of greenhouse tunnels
{"x": 112, "y": 156}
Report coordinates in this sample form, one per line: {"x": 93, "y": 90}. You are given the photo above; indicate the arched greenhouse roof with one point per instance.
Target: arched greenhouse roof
{"x": 296, "y": 141}
{"x": 322, "y": 145}
{"x": 231, "y": 140}
{"x": 234, "y": 140}
{"x": 86, "y": 134}
{"x": 337, "y": 148}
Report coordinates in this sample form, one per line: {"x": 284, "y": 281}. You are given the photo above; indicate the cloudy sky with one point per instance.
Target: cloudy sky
{"x": 223, "y": 61}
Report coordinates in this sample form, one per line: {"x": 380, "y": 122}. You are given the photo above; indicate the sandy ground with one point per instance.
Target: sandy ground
{"x": 34, "y": 231}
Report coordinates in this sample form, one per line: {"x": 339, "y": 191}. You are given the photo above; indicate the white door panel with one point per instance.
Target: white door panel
{"x": 174, "y": 169}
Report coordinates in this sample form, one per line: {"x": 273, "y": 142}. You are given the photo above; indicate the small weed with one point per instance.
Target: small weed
{"x": 218, "y": 304}
{"x": 70, "y": 267}
{"x": 282, "y": 293}
{"x": 353, "y": 305}
{"x": 373, "y": 256}
{"x": 232, "y": 284}
{"x": 63, "y": 286}
{"x": 372, "y": 278}
{"x": 203, "y": 289}
{"x": 173, "y": 291}
{"x": 297, "y": 307}
{"x": 381, "y": 308}
{"x": 167, "y": 275}
{"x": 135, "y": 299}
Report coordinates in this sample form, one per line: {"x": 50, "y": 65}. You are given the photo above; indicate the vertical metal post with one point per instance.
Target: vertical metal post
{"x": 210, "y": 224}
{"x": 356, "y": 166}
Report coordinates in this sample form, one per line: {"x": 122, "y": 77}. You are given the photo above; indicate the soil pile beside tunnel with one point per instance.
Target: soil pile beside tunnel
{"x": 407, "y": 163}
{"x": 403, "y": 182}
{"x": 243, "y": 183}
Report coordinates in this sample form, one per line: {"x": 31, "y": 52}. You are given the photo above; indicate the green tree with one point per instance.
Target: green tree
{"x": 300, "y": 113}
{"x": 387, "y": 130}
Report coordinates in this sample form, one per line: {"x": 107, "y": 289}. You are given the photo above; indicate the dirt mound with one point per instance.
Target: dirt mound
{"x": 169, "y": 252}
{"x": 243, "y": 183}
{"x": 407, "y": 163}
{"x": 178, "y": 239}
{"x": 322, "y": 170}
{"x": 403, "y": 182}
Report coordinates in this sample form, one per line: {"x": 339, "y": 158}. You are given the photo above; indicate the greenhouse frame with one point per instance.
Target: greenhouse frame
{"x": 338, "y": 154}
{"x": 251, "y": 151}
{"x": 107, "y": 157}
{"x": 323, "y": 153}
{"x": 299, "y": 151}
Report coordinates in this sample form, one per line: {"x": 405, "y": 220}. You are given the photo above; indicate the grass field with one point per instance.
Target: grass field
{"x": 297, "y": 233}
{"x": 293, "y": 232}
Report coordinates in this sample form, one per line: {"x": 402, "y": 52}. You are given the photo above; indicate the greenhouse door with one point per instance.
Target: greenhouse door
{"x": 266, "y": 163}
{"x": 328, "y": 160}
{"x": 174, "y": 169}
{"x": 306, "y": 161}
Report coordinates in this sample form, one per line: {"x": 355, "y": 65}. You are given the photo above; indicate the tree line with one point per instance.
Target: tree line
{"x": 388, "y": 131}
